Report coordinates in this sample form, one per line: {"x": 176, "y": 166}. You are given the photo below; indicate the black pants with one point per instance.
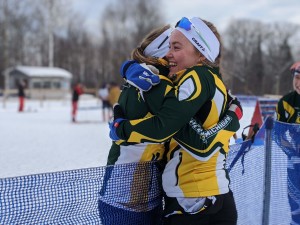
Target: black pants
{"x": 223, "y": 212}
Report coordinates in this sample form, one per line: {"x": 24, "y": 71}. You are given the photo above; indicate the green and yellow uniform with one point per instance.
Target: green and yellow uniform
{"x": 288, "y": 108}
{"x": 195, "y": 161}
{"x": 136, "y": 105}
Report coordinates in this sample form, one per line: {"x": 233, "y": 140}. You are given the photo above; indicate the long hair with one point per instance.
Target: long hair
{"x": 138, "y": 53}
{"x": 218, "y": 36}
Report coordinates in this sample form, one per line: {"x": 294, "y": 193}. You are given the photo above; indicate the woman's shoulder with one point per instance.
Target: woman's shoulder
{"x": 165, "y": 80}
{"x": 204, "y": 69}
{"x": 289, "y": 96}
{"x": 202, "y": 72}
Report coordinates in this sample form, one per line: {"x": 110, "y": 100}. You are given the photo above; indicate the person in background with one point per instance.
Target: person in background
{"x": 288, "y": 107}
{"x": 106, "y": 108}
{"x": 77, "y": 91}
{"x": 114, "y": 92}
{"x": 288, "y": 111}
{"x": 21, "y": 94}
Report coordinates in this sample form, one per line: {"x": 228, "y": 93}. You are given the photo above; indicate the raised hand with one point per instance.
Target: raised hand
{"x": 139, "y": 75}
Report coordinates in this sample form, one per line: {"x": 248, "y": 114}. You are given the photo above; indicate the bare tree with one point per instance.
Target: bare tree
{"x": 15, "y": 24}
{"x": 241, "y": 59}
{"x": 53, "y": 15}
{"x": 277, "y": 56}
{"x": 3, "y": 38}
{"x": 75, "y": 51}
{"x": 294, "y": 42}
{"x": 257, "y": 56}
{"x": 122, "y": 30}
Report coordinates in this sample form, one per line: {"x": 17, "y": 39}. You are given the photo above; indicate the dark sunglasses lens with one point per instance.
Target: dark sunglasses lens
{"x": 184, "y": 23}
{"x": 295, "y": 72}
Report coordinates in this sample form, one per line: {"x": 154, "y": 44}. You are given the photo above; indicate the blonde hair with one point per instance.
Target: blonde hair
{"x": 138, "y": 53}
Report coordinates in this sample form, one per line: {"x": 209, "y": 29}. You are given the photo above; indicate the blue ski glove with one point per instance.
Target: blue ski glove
{"x": 113, "y": 129}
{"x": 139, "y": 75}
{"x": 118, "y": 118}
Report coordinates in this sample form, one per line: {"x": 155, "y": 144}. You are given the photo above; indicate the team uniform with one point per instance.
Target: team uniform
{"x": 141, "y": 203}
{"x": 136, "y": 104}
{"x": 288, "y": 111}
{"x": 134, "y": 107}
{"x": 194, "y": 173}
{"x": 288, "y": 108}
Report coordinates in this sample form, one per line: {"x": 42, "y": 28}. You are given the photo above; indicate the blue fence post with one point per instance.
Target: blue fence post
{"x": 268, "y": 164}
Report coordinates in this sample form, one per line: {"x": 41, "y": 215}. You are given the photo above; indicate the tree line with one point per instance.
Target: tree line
{"x": 255, "y": 58}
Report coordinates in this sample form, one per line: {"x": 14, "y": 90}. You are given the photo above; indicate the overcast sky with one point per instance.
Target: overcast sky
{"x": 216, "y": 11}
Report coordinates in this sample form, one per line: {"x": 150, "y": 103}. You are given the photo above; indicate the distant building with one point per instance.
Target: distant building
{"x": 41, "y": 82}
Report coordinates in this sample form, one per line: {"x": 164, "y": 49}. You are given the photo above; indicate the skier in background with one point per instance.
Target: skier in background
{"x": 103, "y": 94}
{"x": 77, "y": 91}
{"x": 21, "y": 94}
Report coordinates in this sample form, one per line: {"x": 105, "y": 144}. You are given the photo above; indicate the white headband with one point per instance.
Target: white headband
{"x": 295, "y": 68}
{"x": 159, "y": 46}
{"x": 201, "y": 36}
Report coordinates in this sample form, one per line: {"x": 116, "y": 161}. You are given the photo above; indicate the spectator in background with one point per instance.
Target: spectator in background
{"x": 77, "y": 91}
{"x": 21, "y": 94}
{"x": 113, "y": 93}
{"x": 103, "y": 95}
{"x": 288, "y": 107}
{"x": 288, "y": 111}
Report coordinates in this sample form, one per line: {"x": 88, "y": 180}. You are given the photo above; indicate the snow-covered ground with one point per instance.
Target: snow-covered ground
{"x": 43, "y": 139}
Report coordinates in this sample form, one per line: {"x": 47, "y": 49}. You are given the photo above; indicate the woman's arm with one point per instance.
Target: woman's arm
{"x": 178, "y": 106}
